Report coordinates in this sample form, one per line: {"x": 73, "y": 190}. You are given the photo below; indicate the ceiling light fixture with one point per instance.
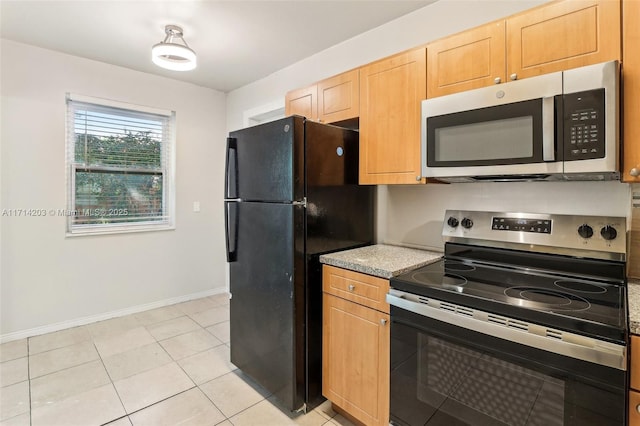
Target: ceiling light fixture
{"x": 172, "y": 55}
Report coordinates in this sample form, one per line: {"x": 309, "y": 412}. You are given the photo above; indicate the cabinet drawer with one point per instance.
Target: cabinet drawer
{"x": 355, "y": 286}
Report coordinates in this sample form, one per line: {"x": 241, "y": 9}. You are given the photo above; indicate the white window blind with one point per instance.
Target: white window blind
{"x": 120, "y": 167}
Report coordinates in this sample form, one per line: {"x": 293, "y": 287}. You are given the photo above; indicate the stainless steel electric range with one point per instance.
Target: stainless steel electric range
{"x": 523, "y": 322}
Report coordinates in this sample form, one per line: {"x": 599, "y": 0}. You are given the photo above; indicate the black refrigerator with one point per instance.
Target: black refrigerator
{"x": 291, "y": 194}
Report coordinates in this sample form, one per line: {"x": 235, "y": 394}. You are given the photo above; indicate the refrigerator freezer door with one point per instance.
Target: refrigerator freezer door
{"x": 267, "y": 298}
{"x": 266, "y": 162}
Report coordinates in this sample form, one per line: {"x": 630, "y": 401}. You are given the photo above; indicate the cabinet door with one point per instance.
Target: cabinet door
{"x": 355, "y": 359}
{"x": 468, "y": 60}
{"x": 634, "y": 371}
{"x": 391, "y": 91}
{"x": 339, "y": 97}
{"x": 302, "y": 102}
{"x": 634, "y": 408}
{"x": 631, "y": 84}
{"x": 633, "y": 259}
{"x": 634, "y": 367}
{"x": 562, "y": 35}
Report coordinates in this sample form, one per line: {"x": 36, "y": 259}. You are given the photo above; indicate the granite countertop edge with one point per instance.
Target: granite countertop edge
{"x": 388, "y": 261}
{"x": 381, "y": 260}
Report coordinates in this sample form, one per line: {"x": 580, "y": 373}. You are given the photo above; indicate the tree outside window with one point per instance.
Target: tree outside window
{"x": 120, "y": 168}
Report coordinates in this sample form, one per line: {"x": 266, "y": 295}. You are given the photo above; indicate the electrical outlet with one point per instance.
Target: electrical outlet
{"x": 196, "y": 206}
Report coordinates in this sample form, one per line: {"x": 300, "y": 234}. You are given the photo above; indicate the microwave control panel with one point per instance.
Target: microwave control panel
{"x": 584, "y": 132}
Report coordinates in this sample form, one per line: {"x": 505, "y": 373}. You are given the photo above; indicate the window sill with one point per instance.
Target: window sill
{"x": 111, "y": 230}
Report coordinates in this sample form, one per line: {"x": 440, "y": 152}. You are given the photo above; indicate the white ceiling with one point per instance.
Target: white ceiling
{"x": 236, "y": 41}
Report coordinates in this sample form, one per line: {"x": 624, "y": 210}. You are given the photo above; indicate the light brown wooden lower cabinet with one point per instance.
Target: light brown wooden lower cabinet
{"x": 355, "y": 359}
{"x": 634, "y": 404}
{"x": 634, "y": 382}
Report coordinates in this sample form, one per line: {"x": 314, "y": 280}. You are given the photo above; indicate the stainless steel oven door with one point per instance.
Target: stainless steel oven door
{"x": 445, "y": 373}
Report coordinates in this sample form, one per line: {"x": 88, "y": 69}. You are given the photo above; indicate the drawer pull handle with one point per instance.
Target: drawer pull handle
{"x": 352, "y": 287}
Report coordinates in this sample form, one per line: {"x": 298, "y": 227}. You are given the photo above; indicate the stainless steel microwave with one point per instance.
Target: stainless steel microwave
{"x": 558, "y": 126}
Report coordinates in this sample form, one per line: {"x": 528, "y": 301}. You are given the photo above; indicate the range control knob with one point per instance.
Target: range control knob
{"x": 585, "y": 231}
{"x": 452, "y": 222}
{"x": 467, "y": 223}
{"x": 608, "y": 232}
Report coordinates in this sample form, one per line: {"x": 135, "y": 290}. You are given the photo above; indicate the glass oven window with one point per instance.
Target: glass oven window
{"x": 438, "y": 380}
{"x": 477, "y": 387}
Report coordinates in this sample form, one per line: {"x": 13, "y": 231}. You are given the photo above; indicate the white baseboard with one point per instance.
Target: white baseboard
{"x": 16, "y": 335}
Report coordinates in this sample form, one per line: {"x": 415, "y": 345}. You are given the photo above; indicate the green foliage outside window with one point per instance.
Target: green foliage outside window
{"x": 118, "y": 178}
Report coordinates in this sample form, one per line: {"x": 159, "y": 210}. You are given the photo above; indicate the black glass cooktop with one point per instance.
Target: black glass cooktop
{"x": 567, "y": 302}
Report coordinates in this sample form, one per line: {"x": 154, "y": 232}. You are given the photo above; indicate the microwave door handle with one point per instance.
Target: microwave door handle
{"x": 548, "y": 128}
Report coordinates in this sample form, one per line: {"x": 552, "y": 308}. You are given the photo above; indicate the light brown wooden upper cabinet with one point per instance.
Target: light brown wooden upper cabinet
{"x": 391, "y": 91}
{"x": 553, "y": 37}
{"x": 562, "y": 35}
{"x": 339, "y": 97}
{"x": 467, "y": 60}
{"x": 303, "y": 101}
{"x": 631, "y": 84}
{"x": 328, "y": 101}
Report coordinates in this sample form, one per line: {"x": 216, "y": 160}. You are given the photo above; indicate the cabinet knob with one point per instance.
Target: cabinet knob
{"x": 513, "y": 76}
{"x": 352, "y": 287}
{"x": 418, "y": 178}
{"x": 635, "y": 172}
{"x": 383, "y": 321}
{"x": 638, "y": 408}
{"x": 497, "y": 80}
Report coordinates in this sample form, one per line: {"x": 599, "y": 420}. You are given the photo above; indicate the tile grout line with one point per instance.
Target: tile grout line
{"x": 113, "y": 385}
{"x": 92, "y": 338}
{"x": 128, "y": 415}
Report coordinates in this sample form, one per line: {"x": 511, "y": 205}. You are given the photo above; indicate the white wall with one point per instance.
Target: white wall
{"x": 51, "y": 280}
{"x": 412, "y": 215}
{"x": 429, "y": 23}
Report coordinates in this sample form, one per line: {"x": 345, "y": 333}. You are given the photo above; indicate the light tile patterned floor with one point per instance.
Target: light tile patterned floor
{"x": 166, "y": 366}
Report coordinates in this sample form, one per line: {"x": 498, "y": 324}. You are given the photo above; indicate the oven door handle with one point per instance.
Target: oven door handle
{"x": 529, "y": 334}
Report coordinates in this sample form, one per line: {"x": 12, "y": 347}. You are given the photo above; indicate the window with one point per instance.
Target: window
{"x": 120, "y": 167}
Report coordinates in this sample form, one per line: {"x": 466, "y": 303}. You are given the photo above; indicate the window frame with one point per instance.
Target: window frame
{"x": 167, "y": 171}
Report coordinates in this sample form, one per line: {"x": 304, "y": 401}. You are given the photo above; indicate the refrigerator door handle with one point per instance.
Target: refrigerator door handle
{"x": 231, "y": 230}
{"x": 231, "y": 170}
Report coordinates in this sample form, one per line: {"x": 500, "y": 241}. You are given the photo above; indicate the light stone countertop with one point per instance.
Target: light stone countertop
{"x": 381, "y": 260}
{"x": 633, "y": 292}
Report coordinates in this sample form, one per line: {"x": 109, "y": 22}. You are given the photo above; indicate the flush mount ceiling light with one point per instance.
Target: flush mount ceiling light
{"x": 172, "y": 55}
